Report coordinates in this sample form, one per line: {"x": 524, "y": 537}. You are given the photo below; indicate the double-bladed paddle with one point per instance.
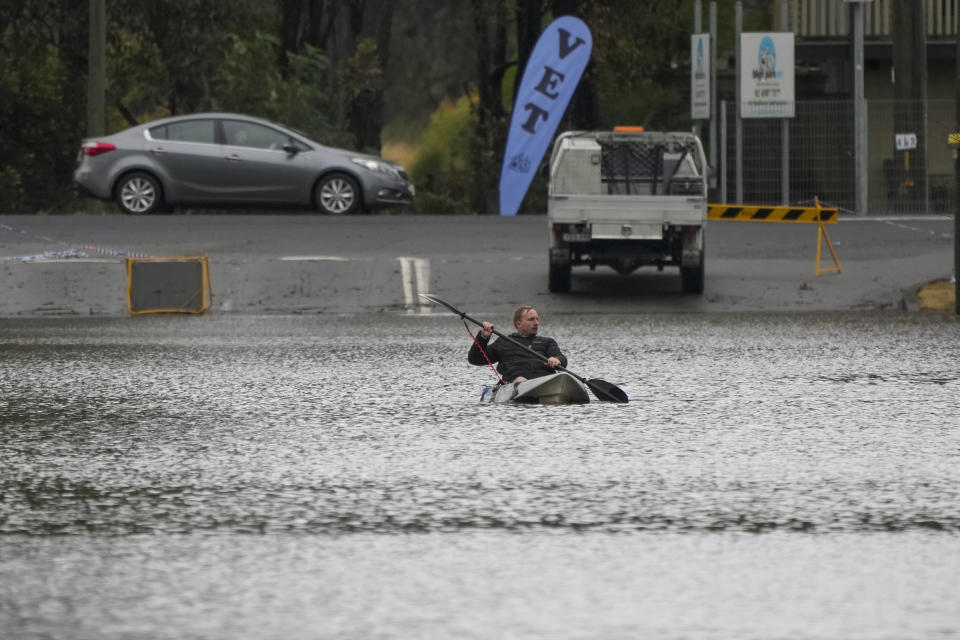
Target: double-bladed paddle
{"x": 602, "y": 389}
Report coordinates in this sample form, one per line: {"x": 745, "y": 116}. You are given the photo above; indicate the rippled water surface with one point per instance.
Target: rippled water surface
{"x": 774, "y": 476}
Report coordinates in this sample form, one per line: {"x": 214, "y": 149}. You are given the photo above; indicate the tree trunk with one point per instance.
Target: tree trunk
{"x": 291, "y": 24}
{"x": 583, "y": 110}
{"x": 370, "y": 19}
{"x": 489, "y": 140}
{"x": 529, "y": 18}
{"x": 491, "y": 59}
{"x": 318, "y": 33}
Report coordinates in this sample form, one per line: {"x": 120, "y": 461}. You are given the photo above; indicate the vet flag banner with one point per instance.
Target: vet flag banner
{"x": 553, "y": 72}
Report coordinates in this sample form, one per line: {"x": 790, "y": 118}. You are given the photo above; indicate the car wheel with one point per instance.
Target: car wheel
{"x": 139, "y": 193}
{"x": 337, "y": 193}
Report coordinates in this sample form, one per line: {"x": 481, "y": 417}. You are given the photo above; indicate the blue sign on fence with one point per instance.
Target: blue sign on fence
{"x": 553, "y": 72}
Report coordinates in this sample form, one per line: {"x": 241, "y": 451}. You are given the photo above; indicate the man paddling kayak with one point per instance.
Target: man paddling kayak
{"x": 514, "y": 362}
{"x": 601, "y": 388}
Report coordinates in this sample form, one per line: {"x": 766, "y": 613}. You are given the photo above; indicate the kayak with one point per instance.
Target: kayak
{"x": 556, "y": 388}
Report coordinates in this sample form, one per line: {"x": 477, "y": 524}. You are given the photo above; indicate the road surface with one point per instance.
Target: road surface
{"x": 289, "y": 264}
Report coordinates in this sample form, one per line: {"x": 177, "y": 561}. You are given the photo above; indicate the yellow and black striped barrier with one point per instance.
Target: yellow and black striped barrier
{"x": 812, "y": 215}
{"x": 751, "y": 213}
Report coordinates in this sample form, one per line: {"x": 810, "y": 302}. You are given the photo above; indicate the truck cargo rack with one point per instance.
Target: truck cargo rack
{"x": 648, "y": 167}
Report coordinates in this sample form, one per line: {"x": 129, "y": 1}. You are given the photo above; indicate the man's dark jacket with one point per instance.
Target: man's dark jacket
{"x": 513, "y": 361}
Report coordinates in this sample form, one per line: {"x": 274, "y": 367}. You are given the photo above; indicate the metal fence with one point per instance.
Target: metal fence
{"x": 821, "y": 157}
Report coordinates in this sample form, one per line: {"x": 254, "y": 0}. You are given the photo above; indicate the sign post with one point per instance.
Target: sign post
{"x": 859, "y": 108}
{"x": 954, "y": 141}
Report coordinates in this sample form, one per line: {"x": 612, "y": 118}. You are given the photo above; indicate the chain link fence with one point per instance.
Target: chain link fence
{"x": 916, "y": 178}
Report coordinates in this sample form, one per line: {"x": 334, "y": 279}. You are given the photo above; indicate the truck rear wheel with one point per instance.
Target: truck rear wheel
{"x": 559, "y": 277}
{"x": 691, "y": 278}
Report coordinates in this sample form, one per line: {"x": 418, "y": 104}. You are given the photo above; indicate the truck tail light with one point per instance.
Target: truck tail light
{"x": 561, "y": 227}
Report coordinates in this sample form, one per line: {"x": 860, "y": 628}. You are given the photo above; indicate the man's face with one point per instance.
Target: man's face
{"x": 529, "y": 323}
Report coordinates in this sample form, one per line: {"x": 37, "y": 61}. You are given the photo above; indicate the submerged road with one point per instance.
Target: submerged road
{"x": 289, "y": 264}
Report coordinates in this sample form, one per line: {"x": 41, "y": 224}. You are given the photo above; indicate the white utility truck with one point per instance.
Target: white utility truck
{"x": 627, "y": 198}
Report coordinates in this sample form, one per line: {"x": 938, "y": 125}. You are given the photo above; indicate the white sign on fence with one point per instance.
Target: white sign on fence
{"x": 906, "y": 141}
{"x": 766, "y": 75}
{"x": 700, "y": 76}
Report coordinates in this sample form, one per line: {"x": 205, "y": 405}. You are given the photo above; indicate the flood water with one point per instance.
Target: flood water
{"x": 774, "y": 476}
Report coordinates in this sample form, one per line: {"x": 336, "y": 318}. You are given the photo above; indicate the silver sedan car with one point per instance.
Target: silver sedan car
{"x": 226, "y": 159}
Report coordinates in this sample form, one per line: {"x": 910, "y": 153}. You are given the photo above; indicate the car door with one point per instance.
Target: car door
{"x": 259, "y": 169}
{"x": 189, "y": 157}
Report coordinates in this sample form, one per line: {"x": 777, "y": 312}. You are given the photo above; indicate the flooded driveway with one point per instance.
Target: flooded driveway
{"x": 327, "y": 476}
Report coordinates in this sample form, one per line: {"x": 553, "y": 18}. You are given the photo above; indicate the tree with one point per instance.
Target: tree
{"x": 343, "y": 71}
{"x": 583, "y": 110}
{"x": 165, "y": 53}
{"x": 372, "y": 22}
{"x": 42, "y": 101}
{"x": 489, "y": 139}
{"x": 356, "y": 36}
{"x": 432, "y": 61}
{"x": 640, "y": 48}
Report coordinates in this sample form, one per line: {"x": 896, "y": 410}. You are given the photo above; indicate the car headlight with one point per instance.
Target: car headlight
{"x": 374, "y": 165}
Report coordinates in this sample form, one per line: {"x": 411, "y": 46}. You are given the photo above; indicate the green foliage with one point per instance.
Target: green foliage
{"x": 641, "y": 50}
{"x": 431, "y": 60}
{"x": 362, "y": 69}
{"x": 652, "y": 106}
{"x": 178, "y": 46}
{"x": 233, "y": 68}
{"x": 11, "y": 189}
{"x": 133, "y": 67}
{"x": 244, "y": 84}
{"x": 40, "y": 118}
{"x": 177, "y": 56}
{"x": 443, "y": 168}
{"x": 510, "y": 78}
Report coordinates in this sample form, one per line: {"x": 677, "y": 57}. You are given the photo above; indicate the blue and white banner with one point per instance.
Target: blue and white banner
{"x": 552, "y": 74}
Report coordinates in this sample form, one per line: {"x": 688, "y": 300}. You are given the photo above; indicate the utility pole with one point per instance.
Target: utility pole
{"x": 956, "y": 179}
{"x": 697, "y": 30}
{"x": 714, "y": 113}
{"x": 859, "y": 110}
{"x": 96, "y": 69}
{"x": 784, "y": 125}
{"x": 738, "y": 31}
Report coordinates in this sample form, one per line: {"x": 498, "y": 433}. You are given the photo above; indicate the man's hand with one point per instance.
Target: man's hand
{"x": 486, "y": 330}
{"x": 552, "y": 362}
